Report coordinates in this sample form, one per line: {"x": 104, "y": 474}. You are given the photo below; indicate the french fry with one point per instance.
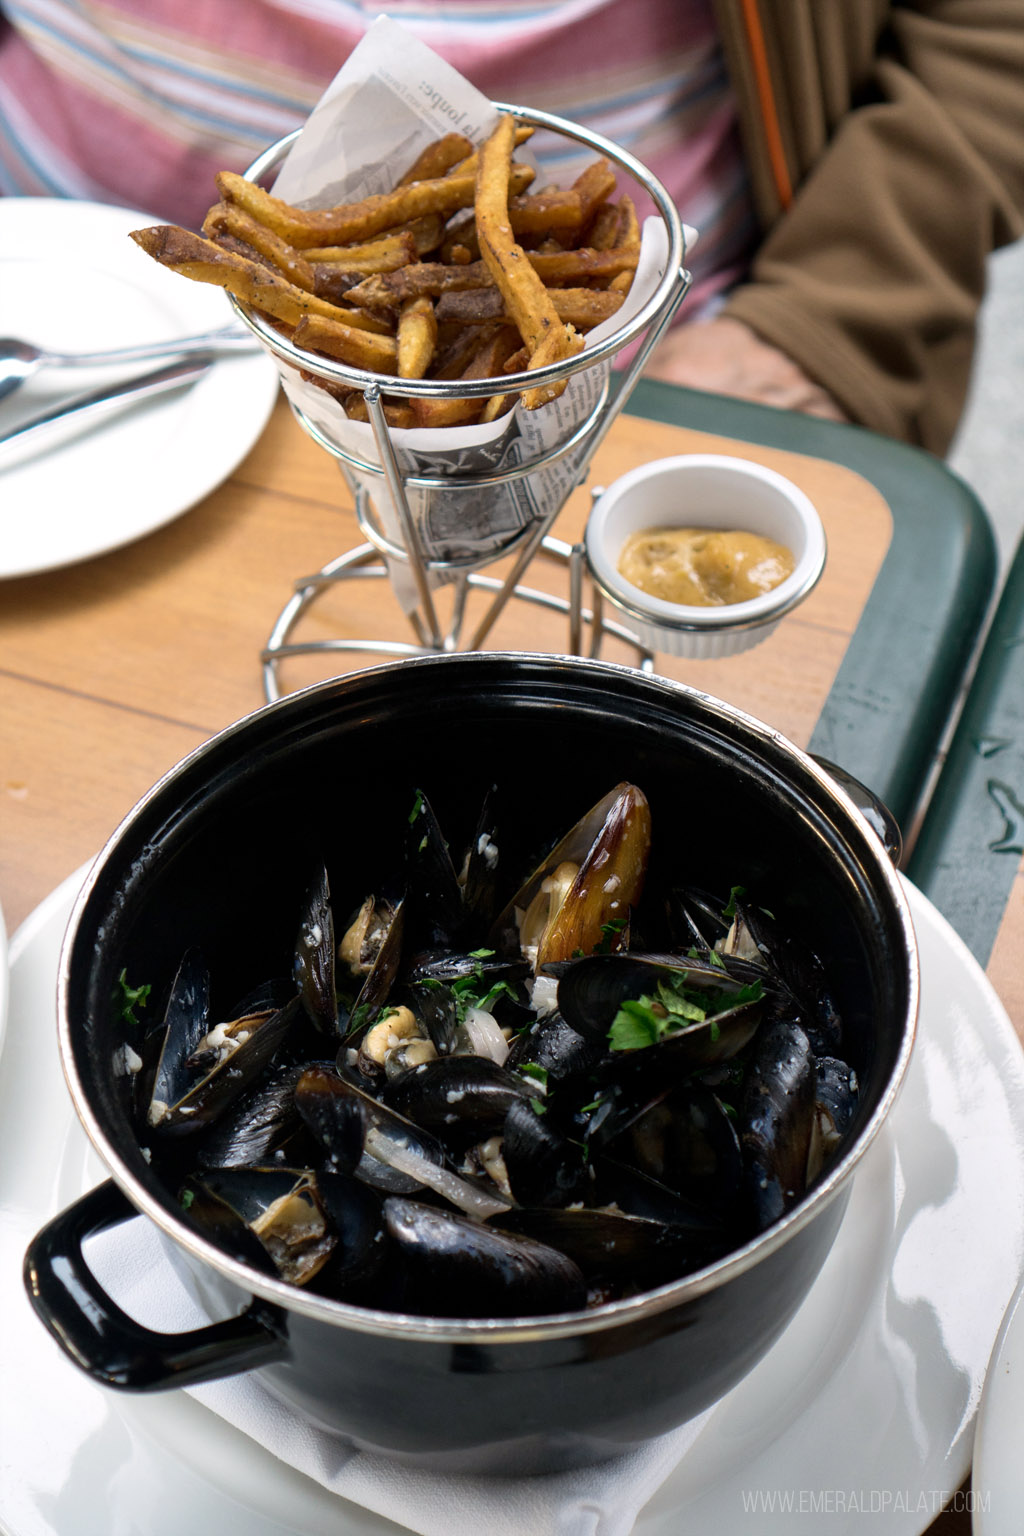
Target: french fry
{"x": 255, "y": 285}
{"x": 582, "y": 307}
{"x": 417, "y": 338}
{"x": 487, "y": 362}
{"x": 556, "y": 346}
{"x": 348, "y": 222}
{"x": 359, "y": 349}
{"x": 438, "y": 158}
{"x": 386, "y": 254}
{"x": 226, "y": 220}
{"x": 594, "y": 186}
{"x": 526, "y": 299}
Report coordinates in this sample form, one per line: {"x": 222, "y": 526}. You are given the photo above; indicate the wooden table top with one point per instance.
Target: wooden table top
{"x": 112, "y": 670}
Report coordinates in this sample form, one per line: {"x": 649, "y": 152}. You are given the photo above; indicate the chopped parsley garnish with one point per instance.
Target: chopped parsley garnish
{"x": 127, "y": 999}
{"x": 609, "y": 933}
{"x": 534, "y": 1070}
{"x": 729, "y": 910}
{"x": 417, "y": 807}
{"x": 472, "y": 990}
{"x": 645, "y": 1020}
{"x": 187, "y": 1196}
{"x": 539, "y": 1106}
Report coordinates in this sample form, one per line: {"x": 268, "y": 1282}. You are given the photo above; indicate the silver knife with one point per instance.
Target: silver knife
{"x": 109, "y": 396}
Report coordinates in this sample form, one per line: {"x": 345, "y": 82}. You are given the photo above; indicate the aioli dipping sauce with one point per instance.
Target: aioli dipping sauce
{"x": 703, "y": 567}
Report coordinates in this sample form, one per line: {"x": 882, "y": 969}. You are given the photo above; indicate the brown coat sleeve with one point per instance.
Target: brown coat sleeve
{"x": 872, "y": 279}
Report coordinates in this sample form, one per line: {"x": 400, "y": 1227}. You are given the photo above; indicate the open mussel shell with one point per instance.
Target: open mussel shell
{"x": 458, "y": 1267}
{"x": 592, "y": 991}
{"x": 580, "y": 896}
{"x": 371, "y": 949}
{"x": 683, "y": 1143}
{"x": 278, "y": 1207}
{"x": 197, "y": 1079}
{"x": 790, "y": 963}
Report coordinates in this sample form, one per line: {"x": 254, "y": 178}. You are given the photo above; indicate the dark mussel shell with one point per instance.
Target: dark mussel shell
{"x": 836, "y": 1093}
{"x": 335, "y": 1114}
{"x": 314, "y": 960}
{"x": 437, "y": 916}
{"x": 755, "y": 933}
{"x": 628, "y": 1253}
{"x": 478, "y": 876}
{"x": 262, "y": 1122}
{"x": 543, "y": 1167}
{"x": 457, "y": 1267}
{"x": 355, "y": 1214}
{"x": 777, "y": 1120}
{"x": 553, "y": 1046}
{"x": 462, "y": 1099}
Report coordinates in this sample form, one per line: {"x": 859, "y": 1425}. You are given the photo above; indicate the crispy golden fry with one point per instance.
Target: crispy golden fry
{"x": 629, "y": 225}
{"x": 438, "y": 158}
{"x": 487, "y": 362}
{"x": 523, "y": 132}
{"x": 348, "y": 222}
{"x": 359, "y": 349}
{"x": 554, "y": 348}
{"x": 386, "y": 254}
{"x": 256, "y": 285}
{"x": 223, "y": 219}
{"x": 397, "y": 413}
{"x": 603, "y": 233}
{"x": 526, "y": 299}
{"x": 594, "y": 186}
{"x": 417, "y": 338}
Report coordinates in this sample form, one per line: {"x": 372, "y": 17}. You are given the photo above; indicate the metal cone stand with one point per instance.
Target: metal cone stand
{"x": 374, "y": 559}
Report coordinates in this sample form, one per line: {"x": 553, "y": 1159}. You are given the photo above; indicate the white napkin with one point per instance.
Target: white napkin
{"x": 131, "y": 1263}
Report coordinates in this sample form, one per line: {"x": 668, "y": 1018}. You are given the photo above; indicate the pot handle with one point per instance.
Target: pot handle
{"x": 877, "y": 813}
{"x": 105, "y": 1342}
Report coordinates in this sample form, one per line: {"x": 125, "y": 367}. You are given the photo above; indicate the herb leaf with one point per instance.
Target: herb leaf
{"x": 127, "y": 999}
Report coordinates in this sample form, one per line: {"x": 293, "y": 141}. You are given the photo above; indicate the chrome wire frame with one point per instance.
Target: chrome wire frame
{"x": 649, "y": 323}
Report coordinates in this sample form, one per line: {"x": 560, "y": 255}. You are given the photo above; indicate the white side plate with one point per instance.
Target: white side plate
{"x": 72, "y": 280}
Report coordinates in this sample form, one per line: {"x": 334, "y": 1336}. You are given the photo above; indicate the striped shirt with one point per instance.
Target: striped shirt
{"x": 141, "y": 103}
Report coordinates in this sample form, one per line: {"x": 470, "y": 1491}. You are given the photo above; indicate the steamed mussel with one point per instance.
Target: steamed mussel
{"x": 474, "y": 1100}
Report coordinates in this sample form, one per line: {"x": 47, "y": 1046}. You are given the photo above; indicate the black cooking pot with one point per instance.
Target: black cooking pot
{"x": 218, "y": 854}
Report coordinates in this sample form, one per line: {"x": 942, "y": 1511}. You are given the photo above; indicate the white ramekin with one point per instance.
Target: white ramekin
{"x": 704, "y": 490}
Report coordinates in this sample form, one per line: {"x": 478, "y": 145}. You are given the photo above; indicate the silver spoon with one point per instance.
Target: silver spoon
{"x": 19, "y": 360}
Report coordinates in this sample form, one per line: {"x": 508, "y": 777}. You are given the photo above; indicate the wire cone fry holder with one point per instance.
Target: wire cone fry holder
{"x": 405, "y": 513}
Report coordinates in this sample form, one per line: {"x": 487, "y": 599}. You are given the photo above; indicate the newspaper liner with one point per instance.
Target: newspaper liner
{"x": 391, "y": 98}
